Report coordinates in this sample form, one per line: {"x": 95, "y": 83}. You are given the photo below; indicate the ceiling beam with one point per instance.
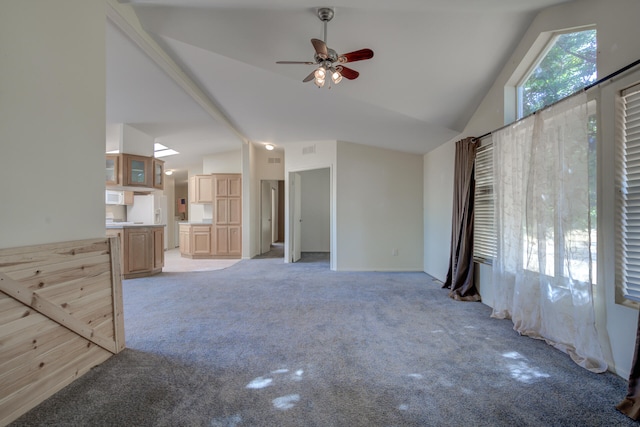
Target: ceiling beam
{"x": 125, "y": 18}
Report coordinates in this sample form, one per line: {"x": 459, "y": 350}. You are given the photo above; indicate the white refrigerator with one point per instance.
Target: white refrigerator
{"x": 149, "y": 209}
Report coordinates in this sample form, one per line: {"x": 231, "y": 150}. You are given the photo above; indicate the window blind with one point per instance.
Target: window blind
{"x": 629, "y": 206}
{"x": 484, "y": 236}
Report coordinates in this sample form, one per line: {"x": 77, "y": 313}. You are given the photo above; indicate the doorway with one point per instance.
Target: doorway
{"x": 310, "y": 216}
{"x": 272, "y": 218}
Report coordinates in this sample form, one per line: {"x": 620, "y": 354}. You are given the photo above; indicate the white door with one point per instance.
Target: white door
{"x": 266, "y": 219}
{"x": 296, "y": 184}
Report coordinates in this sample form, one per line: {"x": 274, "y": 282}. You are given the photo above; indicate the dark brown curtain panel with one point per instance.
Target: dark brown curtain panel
{"x": 630, "y": 406}
{"x": 460, "y": 277}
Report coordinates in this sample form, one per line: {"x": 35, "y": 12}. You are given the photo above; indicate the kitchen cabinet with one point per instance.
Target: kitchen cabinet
{"x": 201, "y": 239}
{"x": 158, "y": 248}
{"x": 185, "y": 239}
{"x": 201, "y": 189}
{"x": 139, "y": 245}
{"x": 113, "y": 169}
{"x": 227, "y": 233}
{"x": 195, "y": 241}
{"x": 158, "y": 174}
{"x": 210, "y": 241}
{"x": 222, "y": 238}
{"x": 141, "y": 249}
{"x": 136, "y": 171}
{"x": 228, "y": 185}
{"x": 227, "y": 241}
{"x": 129, "y": 170}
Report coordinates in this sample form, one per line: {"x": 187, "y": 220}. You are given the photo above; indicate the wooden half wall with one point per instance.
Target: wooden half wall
{"x": 60, "y": 315}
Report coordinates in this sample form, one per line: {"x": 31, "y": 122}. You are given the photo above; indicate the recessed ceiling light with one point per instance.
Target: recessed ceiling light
{"x": 269, "y": 147}
{"x": 169, "y": 172}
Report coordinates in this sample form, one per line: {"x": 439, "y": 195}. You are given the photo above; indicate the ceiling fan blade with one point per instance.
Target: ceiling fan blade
{"x": 320, "y": 47}
{"x": 295, "y": 62}
{"x": 356, "y": 55}
{"x": 348, "y": 73}
{"x": 310, "y": 77}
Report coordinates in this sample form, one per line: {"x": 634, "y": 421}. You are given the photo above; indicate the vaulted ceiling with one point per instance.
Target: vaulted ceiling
{"x": 434, "y": 62}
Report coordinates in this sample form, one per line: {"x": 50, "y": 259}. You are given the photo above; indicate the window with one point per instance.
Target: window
{"x": 484, "y": 236}
{"x": 566, "y": 65}
{"x": 629, "y": 194}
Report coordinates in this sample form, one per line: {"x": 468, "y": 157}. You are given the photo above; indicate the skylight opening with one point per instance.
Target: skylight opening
{"x": 160, "y": 150}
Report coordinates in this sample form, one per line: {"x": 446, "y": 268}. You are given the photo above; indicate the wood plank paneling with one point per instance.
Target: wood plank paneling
{"x": 60, "y": 315}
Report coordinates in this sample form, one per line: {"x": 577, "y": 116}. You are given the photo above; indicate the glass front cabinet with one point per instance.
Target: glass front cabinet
{"x": 113, "y": 169}
{"x": 137, "y": 171}
{"x": 158, "y": 174}
{"x": 129, "y": 170}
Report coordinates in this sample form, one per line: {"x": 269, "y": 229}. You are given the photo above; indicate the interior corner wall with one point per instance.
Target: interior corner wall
{"x": 169, "y": 191}
{"x": 316, "y": 212}
{"x": 52, "y": 121}
{"x": 250, "y": 203}
{"x": 379, "y": 209}
{"x": 438, "y": 205}
{"x": 618, "y": 34}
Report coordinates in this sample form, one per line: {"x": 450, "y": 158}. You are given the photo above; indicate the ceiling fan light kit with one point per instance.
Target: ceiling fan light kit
{"x": 326, "y": 58}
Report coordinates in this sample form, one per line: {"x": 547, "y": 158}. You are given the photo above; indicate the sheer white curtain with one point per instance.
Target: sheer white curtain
{"x": 543, "y": 268}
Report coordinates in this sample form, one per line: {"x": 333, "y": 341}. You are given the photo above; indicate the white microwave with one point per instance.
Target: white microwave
{"x": 114, "y": 197}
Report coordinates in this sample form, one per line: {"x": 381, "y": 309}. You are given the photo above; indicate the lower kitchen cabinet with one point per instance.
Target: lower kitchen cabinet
{"x": 227, "y": 241}
{"x": 209, "y": 241}
{"x": 141, "y": 250}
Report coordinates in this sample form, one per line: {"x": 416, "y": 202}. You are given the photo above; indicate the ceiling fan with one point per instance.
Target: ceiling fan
{"x": 328, "y": 61}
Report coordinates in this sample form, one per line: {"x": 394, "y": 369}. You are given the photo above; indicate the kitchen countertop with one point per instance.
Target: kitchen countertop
{"x": 195, "y": 223}
{"x": 131, "y": 225}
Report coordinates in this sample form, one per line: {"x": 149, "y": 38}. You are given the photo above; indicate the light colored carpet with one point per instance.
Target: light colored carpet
{"x": 264, "y": 343}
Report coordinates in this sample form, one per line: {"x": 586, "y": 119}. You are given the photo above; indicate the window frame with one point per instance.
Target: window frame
{"x": 623, "y": 289}
{"x": 536, "y": 55}
{"x": 484, "y": 242}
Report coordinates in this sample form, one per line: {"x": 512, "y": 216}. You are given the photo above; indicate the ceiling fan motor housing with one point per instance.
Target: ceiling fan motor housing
{"x": 325, "y": 14}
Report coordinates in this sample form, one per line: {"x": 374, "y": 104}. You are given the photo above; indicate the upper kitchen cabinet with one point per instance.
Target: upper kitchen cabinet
{"x": 113, "y": 169}
{"x": 128, "y": 170}
{"x": 136, "y": 171}
{"x": 201, "y": 189}
{"x": 158, "y": 174}
{"x": 228, "y": 185}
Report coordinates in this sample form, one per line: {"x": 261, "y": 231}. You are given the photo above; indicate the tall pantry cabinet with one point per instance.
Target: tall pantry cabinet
{"x": 227, "y": 211}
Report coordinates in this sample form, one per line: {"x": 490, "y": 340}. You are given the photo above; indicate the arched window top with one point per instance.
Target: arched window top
{"x": 566, "y": 64}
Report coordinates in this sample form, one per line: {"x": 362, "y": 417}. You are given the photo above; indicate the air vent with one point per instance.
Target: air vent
{"x": 273, "y": 160}
{"x": 311, "y": 149}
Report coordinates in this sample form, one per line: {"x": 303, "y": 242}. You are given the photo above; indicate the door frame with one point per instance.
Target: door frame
{"x": 289, "y": 214}
{"x": 266, "y": 187}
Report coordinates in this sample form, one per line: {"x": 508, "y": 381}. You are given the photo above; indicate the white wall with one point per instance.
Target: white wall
{"x": 250, "y": 203}
{"x": 52, "y": 121}
{"x": 379, "y": 209}
{"x": 229, "y": 162}
{"x": 269, "y": 164}
{"x": 316, "y": 212}
{"x": 438, "y": 205}
{"x": 618, "y": 34}
{"x": 134, "y": 141}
